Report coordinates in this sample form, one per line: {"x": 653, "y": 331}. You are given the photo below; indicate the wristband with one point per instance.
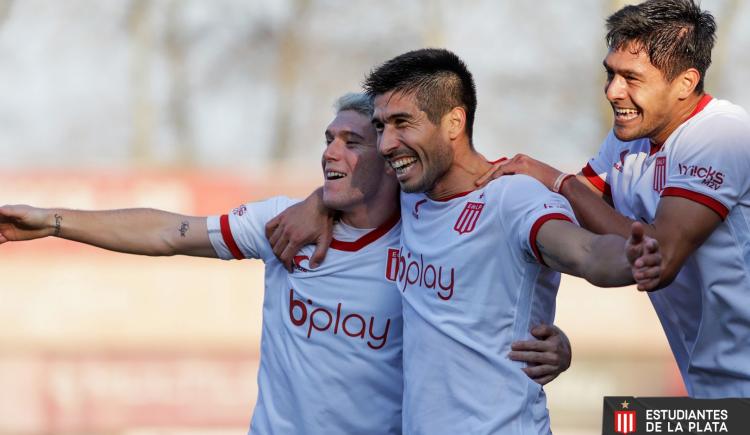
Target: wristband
{"x": 562, "y": 178}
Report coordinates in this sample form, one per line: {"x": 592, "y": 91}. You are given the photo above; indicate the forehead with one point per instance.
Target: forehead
{"x": 350, "y": 121}
{"x": 395, "y": 102}
{"x": 630, "y": 57}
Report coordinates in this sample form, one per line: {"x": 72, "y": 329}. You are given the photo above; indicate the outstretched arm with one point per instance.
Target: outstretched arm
{"x": 133, "y": 231}
{"x": 680, "y": 225}
{"x": 604, "y": 260}
{"x": 547, "y": 356}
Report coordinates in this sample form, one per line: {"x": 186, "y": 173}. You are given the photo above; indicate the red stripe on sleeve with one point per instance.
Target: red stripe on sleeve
{"x": 700, "y": 198}
{"x": 535, "y": 230}
{"x": 594, "y": 179}
{"x": 226, "y": 233}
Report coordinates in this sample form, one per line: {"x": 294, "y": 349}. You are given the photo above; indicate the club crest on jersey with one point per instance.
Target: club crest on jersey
{"x": 468, "y": 218}
{"x": 660, "y": 173}
{"x": 297, "y": 263}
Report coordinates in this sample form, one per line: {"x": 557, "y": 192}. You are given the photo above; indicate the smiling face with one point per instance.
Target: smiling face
{"x": 418, "y": 150}
{"x": 355, "y": 173}
{"x": 643, "y": 101}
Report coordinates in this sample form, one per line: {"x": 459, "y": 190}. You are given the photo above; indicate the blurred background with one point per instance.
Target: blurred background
{"x": 198, "y": 106}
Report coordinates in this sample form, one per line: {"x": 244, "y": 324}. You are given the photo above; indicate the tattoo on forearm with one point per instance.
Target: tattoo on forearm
{"x": 58, "y": 224}
{"x": 184, "y": 228}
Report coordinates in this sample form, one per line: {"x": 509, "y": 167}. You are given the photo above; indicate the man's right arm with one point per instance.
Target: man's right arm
{"x": 134, "y": 231}
{"x": 308, "y": 222}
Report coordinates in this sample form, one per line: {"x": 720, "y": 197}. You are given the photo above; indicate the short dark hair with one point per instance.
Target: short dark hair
{"x": 675, "y": 34}
{"x": 438, "y": 78}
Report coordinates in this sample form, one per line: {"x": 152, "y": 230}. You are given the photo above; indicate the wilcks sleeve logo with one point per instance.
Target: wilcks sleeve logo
{"x": 468, "y": 218}
{"x": 709, "y": 176}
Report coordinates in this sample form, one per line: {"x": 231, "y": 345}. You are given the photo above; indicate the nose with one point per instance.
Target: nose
{"x": 615, "y": 88}
{"x": 333, "y": 150}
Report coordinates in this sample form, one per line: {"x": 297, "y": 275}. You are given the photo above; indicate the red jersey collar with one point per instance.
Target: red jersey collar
{"x": 367, "y": 238}
{"x": 458, "y": 195}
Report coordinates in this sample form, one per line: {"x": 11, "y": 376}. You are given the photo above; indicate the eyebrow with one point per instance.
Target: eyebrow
{"x": 405, "y": 115}
{"x": 624, "y": 71}
{"x": 348, "y": 133}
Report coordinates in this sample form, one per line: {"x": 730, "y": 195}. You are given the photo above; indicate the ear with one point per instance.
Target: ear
{"x": 686, "y": 82}
{"x": 455, "y": 120}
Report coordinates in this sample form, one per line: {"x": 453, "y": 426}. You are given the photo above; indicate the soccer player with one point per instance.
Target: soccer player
{"x": 476, "y": 264}
{"x": 331, "y": 347}
{"x": 677, "y": 160}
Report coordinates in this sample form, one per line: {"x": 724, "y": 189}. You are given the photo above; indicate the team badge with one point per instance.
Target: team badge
{"x": 624, "y": 422}
{"x": 467, "y": 221}
{"x": 391, "y": 264}
{"x": 660, "y": 173}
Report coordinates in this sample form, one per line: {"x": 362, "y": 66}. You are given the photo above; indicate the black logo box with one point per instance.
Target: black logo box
{"x": 734, "y": 413}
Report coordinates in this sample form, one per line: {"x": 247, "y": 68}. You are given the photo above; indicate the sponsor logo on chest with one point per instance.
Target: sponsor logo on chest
{"x": 409, "y": 271}
{"x": 321, "y": 320}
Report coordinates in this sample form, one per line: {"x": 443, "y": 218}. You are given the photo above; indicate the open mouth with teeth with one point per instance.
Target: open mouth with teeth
{"x": 402, "y": 164}
{"x": 626, "y": 114}
{"x": 334, "y": 175}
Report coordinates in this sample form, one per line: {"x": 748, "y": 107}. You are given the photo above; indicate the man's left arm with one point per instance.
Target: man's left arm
{"x": 681, "y": 224}
{"x": 604, "y": 260}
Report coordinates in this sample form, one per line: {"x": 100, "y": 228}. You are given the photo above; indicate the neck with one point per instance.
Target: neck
{"x": 683, "y": 112}
{"x": 468, "y": 165}
{"x": 371, "y": 214}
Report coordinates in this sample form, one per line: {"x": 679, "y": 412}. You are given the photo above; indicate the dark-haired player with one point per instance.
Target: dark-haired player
{"x": 477, "y": 267}
{"x": 676, "y": 159}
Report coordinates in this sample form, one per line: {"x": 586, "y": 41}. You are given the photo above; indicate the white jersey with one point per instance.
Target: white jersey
{"x": 472, "y": 284}
{"x": 705, "y": 312}
{"x": 331, "y": 344}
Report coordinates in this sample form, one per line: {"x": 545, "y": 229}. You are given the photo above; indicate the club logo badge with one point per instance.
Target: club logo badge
{"x": 468, "y": 218}
{"x": 625, "y": 421}
{"x": 660, "y": 173}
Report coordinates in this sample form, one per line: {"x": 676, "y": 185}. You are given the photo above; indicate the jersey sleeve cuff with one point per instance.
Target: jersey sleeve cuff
{"x": 535, "y": 230}
{"x": 698, "y": 197}
{"x": 596, "y": 180}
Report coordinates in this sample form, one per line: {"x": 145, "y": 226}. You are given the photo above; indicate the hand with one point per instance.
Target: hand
{"x": 21, "y": 222}
{"x": 546, "y": 357}
{"x": 644, "y": 257}
{"x": 521, "y": 164}
{"x": 301, "y": 224}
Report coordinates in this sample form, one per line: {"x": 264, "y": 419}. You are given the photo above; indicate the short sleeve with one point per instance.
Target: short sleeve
{"x": 597, "y": 169}
{"x": 241, "y": 233}
{"x": 525, "y": 206}
{"x": 708, "y": 163}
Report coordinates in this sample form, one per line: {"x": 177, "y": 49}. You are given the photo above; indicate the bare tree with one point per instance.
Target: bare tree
{"x": 179, "y": 97}
{"x": 290, "y": 50}
{"x": 142, "y": 109}
{"x": 5, "y": 7}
